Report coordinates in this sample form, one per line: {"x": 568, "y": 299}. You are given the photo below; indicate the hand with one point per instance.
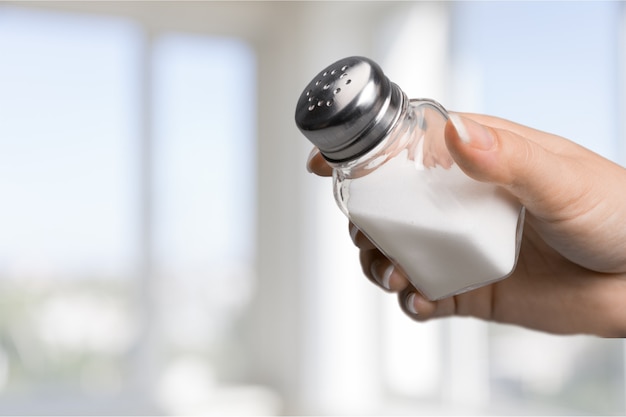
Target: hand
{"x": 571, "y": 272}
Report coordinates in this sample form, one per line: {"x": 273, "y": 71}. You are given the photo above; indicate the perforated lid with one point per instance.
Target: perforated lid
{"x": 348, "y": 108}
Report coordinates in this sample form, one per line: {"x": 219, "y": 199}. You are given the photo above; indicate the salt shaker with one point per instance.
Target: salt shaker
{"x": 394, "y": 178}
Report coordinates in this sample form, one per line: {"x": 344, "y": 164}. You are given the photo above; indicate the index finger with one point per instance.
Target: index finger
{"x": 318, "y": 165}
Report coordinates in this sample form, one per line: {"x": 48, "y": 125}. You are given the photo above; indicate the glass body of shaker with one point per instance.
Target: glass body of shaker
{"x": 447, "y": 232}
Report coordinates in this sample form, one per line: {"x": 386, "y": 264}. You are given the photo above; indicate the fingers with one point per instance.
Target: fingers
{"x": 419, "y": 308}
{"x": 573, "y": 196}
{"x": 383, "y": 273}
{"x": 544, "y": 181}
{"x": 359, "y": 239}
{"x": 316, "y": 164}
{"x": 376, "y": 267}
{"x": 550, "y": 142}
{"x": 475, "y": 303}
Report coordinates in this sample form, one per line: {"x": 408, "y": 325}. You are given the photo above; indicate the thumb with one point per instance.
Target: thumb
{"x": 540, "y": 179}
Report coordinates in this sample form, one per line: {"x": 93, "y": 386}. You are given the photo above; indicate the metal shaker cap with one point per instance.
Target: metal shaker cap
{"x": 348, "y": 108}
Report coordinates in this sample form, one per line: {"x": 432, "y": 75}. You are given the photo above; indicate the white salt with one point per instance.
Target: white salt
{"x": 446, "y": 231}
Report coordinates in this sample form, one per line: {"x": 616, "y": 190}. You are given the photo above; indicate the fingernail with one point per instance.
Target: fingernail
{"x": 410, "y": 303}
{"x": 312, "y": 155}
{"x": 459, "y": 126}
{"x": 386, "y": 276}
{"x": 472, "y": 133}
{"x": 384, "y": 280}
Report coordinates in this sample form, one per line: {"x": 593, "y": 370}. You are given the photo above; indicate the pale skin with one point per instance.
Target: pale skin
{"x": 571, "y": 274}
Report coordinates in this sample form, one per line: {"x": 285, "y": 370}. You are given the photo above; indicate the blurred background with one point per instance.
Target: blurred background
{"x": 163, "y": 250}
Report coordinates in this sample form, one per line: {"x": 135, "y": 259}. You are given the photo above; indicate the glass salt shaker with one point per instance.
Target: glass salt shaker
{"x": 394, "y": 178}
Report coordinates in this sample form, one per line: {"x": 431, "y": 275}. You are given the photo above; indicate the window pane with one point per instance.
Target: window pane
{"x": 205, "y": 101}
{"x": 204, "y": 204}
{"x": 550, "y": 65}
{"x": 67, "y": 241}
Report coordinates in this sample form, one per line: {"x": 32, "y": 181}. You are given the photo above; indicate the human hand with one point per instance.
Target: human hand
{"x": 571, "y": 272}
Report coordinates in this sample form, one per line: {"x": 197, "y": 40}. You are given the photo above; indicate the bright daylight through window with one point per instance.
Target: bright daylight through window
{"x": 115, "y": 248}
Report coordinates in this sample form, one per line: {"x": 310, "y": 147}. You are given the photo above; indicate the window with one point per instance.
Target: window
{"x": 163, "y": 251}
{"x": 204, "y": 209}
{"x": 127, "y": 221}
{"x": 68, "y": 245}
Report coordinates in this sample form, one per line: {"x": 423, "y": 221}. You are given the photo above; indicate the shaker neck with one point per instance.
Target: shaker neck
{"x": 389, "y": 146}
